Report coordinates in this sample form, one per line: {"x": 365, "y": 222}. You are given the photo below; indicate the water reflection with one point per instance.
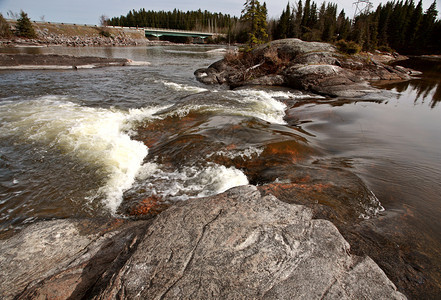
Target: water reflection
{"x": 427, "y": 88}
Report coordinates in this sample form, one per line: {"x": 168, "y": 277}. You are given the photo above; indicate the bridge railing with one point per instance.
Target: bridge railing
{"x": 166, "y": 30}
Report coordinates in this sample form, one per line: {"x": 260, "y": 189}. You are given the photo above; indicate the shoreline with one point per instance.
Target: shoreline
{"x": 61, "y": 62}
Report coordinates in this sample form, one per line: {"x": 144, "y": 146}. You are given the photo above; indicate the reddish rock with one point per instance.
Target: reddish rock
{"x": 152, "y": 205}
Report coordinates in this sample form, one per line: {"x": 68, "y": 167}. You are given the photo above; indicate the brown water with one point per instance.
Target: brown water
{"x": 124, "y": 141}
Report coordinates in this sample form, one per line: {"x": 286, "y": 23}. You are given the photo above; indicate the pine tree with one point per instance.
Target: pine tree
{"x": 305, "y": 17}
{"x": 255, "y": 14}
{"x": 329, "y": 23}
{"x": 297, "y": 19}
{"x": 427, "y": 26}
{"x": 262, "y": 23}
{"x": 24, "y": 27}
{"x": 343, "y": 26}
{"x": 283, "y": 26}
{"x": 414, "y": 24}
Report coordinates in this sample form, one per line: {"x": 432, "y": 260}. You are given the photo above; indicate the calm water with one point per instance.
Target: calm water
{"x": 90, "y": 142}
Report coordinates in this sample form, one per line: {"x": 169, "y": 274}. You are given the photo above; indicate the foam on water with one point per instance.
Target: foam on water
{"x": 372, "y": 208}
{"x": 101, "y": 138}
{"x": 264, "y": 105}
{"x": 217, "y": 51}
{"x": 96, "y": 136}
{"x": 251, "y": 103}
{"x": 247, "y": 153}
{"x": 182, "y": 87}
{"x": 193, "y": 181}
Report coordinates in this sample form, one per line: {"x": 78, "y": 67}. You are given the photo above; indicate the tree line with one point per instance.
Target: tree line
{"x": 400, "y": 25}
{"x": 176, "y": 19}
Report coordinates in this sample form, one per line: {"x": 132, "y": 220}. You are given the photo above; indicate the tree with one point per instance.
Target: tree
{"x": 297, "y": 19}
{"x": 24, "y": 27}
{"x": 415, "y": 22}
{"x": 104, "y": 20}
{"x": 256, "y": 15}
{"x": 5, "y": 29}
{"x": 343, "y": 26}
{"x": 284, "y": 24}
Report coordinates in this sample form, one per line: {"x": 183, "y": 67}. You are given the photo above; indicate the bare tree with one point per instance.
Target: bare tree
{"x": 104, "y": 20}
{"x": 12, "y": 15}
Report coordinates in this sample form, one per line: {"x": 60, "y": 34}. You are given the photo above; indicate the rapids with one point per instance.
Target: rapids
{"x": 115, "y": 141}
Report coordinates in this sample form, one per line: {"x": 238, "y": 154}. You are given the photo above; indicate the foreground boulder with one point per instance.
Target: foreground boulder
{"x": 235, "y": 245}
{"x": 310, "y": 66}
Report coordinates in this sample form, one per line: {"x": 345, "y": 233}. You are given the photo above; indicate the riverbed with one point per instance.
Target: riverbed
{"x": 104, "y": 142}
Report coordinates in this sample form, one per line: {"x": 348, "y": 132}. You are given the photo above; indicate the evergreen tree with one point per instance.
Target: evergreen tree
{"x": 255, "y": 14}
{"x": 343, "y": 26}
{"x": 297, "y": 20}
{"x": 284, "y": 25}
{"x": 24, "y": 26}
{"x": 384, "y": 13}
{"x": 262, "y": 23}
{"x": 414, "y": 24}
{"x": 427, "y": 26}
{"x": 305, "y": 17}
{"x": 400, "y": 24}
{"x": 329, "y": 23}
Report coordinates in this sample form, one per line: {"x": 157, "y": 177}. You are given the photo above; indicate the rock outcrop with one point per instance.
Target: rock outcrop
{"x": 235, "y": 245}
{"x": 310, "y": 66}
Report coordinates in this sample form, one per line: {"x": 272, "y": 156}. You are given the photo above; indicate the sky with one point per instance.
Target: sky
{"x": 89, "y": 11}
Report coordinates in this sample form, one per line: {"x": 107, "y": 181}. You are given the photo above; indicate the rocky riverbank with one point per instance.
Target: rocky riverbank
{"x": 76, "y": 35}
{"x": 236, "y": 245}
{"x": 309, "y": 66}
{"x": 56, "y": 62}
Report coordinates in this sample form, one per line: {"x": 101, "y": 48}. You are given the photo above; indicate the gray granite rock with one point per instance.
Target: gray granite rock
{"x": 240, "y": 245}
{"x": 236, "y": 245}
{"x": 63, "y": 258}
{"x": 309, "y": 66}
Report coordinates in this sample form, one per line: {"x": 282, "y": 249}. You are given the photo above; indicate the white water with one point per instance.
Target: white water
{"x": 249, "y": 103}
{"x": 102, "y": 138}
{"x": 181, "y": 87}
{"x": 191, "y": 181}
{"x": 96, "y": 136}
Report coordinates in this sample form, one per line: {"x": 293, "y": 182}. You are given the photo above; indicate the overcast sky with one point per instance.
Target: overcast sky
{"x": 89, "y": 11}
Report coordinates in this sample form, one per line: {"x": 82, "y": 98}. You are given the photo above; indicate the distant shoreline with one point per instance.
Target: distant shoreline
{"x": 73, "y": 35}
{"x": 60, "y": 62}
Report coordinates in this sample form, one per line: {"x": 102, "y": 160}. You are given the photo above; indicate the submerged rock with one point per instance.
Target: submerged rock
{"x": 235, "y": 245}
{"x": 310, "y": 66}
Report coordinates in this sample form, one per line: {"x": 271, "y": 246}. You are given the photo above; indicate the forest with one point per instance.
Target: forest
{"x": 401, "y": 26}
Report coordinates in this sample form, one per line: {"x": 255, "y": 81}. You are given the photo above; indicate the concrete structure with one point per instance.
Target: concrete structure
{"x": 174, "y": 32}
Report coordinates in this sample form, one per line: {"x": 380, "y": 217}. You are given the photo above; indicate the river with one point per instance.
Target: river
{"x": 98, "y": 142}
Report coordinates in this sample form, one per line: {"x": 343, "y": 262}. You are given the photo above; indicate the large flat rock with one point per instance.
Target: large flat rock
{"x": 236, "y": 245}
{"x": 240, "y": 245}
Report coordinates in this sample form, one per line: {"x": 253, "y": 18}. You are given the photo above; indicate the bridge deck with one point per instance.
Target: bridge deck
{"x": 174, "y": 32}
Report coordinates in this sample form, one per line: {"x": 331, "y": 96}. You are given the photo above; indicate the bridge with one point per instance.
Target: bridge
{"x": 174, "y": 32}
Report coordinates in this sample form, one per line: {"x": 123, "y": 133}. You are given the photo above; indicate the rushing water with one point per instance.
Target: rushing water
{"x": 85, "y": 143}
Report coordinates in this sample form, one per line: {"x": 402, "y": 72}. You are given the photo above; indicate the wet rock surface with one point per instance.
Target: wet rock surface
{"x": 310, "y": 66}
{"x": 63, "y": 258}
{"x": 238, "y": 244}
